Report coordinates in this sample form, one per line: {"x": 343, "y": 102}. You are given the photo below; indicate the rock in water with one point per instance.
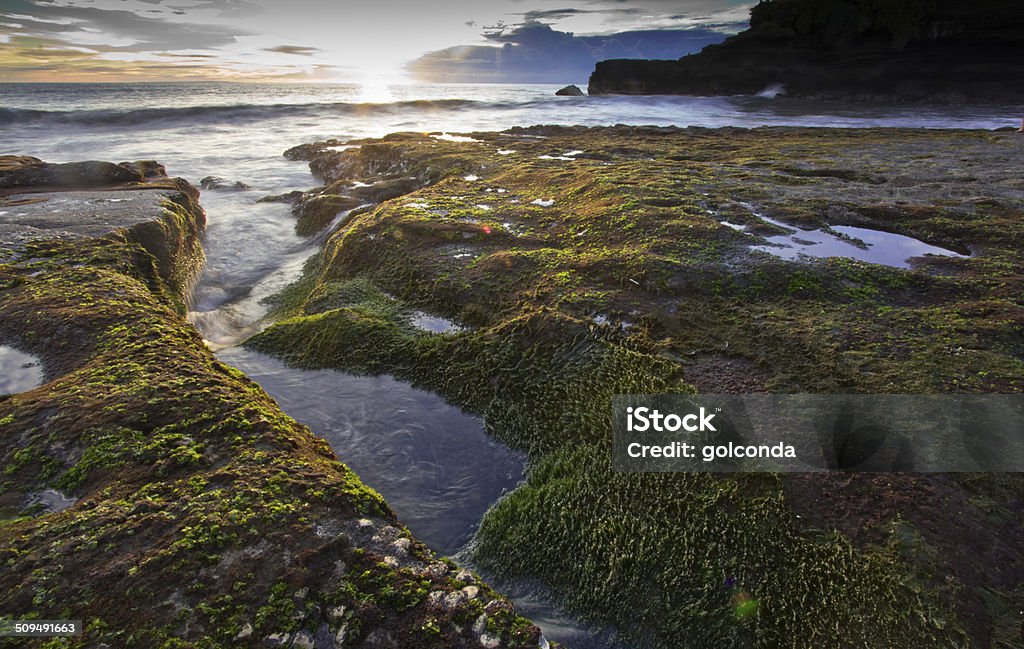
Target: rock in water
{"x": 26, "y": 171}
{"x": 146, "y": 168}
{"x": 290, "y": 197}
{"x": 216, "y": 182}
{"x": 570, "y": 91}
{"x": 316, "y": 212}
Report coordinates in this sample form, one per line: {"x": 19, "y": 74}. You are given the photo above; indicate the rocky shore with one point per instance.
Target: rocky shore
{"x": 582, "y": 263}
{"x": 154, "y": 492}
{"x": 850, "y": 50}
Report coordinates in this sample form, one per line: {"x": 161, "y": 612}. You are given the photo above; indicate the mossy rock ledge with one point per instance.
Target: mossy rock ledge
{"x": 157, "y": 494}
{"x": 581, "y": 263}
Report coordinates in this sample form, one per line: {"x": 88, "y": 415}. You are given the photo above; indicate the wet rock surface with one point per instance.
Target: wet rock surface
{"x": 635, "y": 267}
{"x": 26, "y": 171}
{"x": 76, "y": 214}
{"x": 222, "y": 184}
{"x": 159, "y": 495}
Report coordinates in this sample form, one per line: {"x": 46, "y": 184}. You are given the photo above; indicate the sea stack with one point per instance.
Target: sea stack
{"x": 570, "y": 91}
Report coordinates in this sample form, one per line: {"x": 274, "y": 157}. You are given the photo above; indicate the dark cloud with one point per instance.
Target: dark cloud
{"x": 293, "y": 49}
{"x": 536, "y": 53}
{"x": 561, "y": 14}
{"x": 74, "y": 24}
{"x": 48, "y": 53}
{"x": 175, "y": 55}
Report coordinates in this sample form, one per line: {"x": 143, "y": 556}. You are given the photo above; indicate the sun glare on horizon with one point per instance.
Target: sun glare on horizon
{"x": 376, "y": 86}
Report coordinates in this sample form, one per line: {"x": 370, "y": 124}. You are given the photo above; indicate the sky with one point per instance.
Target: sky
{"x": 339, "y": 41}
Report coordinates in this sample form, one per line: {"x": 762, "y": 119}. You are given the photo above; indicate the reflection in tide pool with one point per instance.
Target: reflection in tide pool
{"x": 433, "y": 463}
{"x": 434, "y": 324}
{"x": 19, "y": 372}
{"x": 863, "y": 244}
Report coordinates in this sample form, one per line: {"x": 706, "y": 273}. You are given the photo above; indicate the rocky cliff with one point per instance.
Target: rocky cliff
{"x": 919, "y": 50}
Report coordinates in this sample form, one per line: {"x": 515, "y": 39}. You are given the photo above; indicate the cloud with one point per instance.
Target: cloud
{"x": 535, "y": 53}
{"x": 96, "y": 40}
{"x": 364, "y": 40}
{"x": 114, "y": 29}
{"x": 541, "y": 15}
{"x": 293, "y": 49}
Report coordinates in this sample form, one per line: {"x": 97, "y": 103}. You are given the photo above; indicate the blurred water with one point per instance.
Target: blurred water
{"x": 434, "y": 464}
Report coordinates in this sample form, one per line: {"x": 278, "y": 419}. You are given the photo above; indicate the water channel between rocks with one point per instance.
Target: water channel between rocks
{"x": 434, "y": 464}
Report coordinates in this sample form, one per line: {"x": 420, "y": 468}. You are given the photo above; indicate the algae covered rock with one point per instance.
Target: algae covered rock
{"x": 630, "y": 260}
{"x": 183, "y": 507}
{"x": 361, "y": 173}
{"x": 160, "y": 214}
{"x": 222, "y": 184}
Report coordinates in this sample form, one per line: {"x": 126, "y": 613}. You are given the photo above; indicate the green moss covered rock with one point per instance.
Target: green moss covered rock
{"x": 163, "y": 498}
{"x": 582, "y": 263}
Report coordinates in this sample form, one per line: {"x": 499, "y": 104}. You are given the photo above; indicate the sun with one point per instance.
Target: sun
{"x": 378, "y": 86}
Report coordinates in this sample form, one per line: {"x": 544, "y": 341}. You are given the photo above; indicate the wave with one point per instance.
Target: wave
{"x": 231, "y": 113}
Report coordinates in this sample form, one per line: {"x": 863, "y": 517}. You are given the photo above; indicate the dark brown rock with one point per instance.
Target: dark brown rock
{"x": 146, "y": 168}
{"x": 218, "y": 183}
{"x": 290, "y": 197}
{"x": 386, "y": 189}
{"x": 315, "y": 213}
{"x": 25, "y": 171}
